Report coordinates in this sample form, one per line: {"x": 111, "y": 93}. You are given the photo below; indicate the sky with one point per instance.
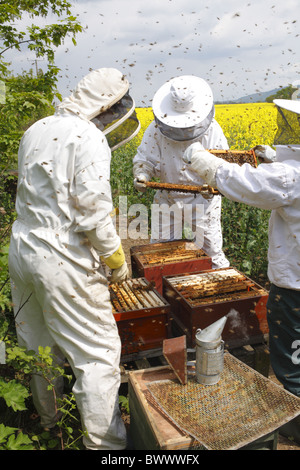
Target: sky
{"x": 239, "y": 47}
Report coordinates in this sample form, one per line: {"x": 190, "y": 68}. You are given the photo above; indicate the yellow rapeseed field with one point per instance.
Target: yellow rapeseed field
{"x": 244, "y": 125}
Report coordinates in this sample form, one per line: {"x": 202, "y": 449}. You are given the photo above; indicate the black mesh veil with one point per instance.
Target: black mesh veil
{"x": 119, "y": 123}
{"x": 288, "y": 127}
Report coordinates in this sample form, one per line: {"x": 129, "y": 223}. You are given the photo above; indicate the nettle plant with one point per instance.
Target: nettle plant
{"x": 20, "y": 366}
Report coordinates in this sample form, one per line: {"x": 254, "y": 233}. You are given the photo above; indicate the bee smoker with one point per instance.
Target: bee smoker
{"x": 210, "y": 353}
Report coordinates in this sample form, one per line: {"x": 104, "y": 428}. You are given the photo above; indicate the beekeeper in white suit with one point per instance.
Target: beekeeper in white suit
{"x": 183, "y": 109}
{"x": 273, "y": 185}
{"x": 63, "y": 230}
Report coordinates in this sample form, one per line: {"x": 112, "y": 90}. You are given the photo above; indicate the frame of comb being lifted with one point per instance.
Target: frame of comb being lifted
{"x": 233, "y": 156}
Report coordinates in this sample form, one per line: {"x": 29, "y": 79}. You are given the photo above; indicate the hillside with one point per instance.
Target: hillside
{"x": 259, "y": 97}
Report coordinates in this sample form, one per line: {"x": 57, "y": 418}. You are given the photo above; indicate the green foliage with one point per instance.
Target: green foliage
{"x": 38, "y": 39}
{"x": 14, "y": 394}
{"x": 26, "y": 98}
{"x": 5, "y": 302}
{"x": 285, "y": 93}
{"x": 122, "y": 177}
{"x": 29, "y": 362}
{"x": 70, "y": 422}
{"x": 12, "y": 439}
{"x": 124, "y": 403}
{"x": 245, "y": 238}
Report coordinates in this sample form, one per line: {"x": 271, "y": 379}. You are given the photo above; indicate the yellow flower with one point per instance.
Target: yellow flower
{"x": 244, "y": 125}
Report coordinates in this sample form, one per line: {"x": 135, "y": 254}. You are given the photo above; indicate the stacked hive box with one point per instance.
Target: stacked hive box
{"x": 156, "y": 260}
{"x": 198, "y": 300}
{"x": 142, "y": 317}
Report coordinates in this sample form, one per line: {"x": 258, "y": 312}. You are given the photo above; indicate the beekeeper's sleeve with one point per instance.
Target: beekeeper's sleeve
{"x": 91, "y": 193}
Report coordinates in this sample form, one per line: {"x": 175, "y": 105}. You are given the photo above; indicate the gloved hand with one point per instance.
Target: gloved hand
{"x": 206, "y": 194}
{"x": 139, "y": 181}
{"x": 203, "y": 163}
{"x": 195, "y": 147}
{"x": 265, "y": 153}
{"x": 120, "y": 274}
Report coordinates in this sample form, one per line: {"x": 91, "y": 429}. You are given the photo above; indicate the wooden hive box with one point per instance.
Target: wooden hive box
{"x": 156, "y": 260}
{"x": 246, "y": 307}
{"x": 142, "y": 317}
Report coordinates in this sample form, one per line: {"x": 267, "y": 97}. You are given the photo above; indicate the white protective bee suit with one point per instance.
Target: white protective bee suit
{"x": 184, "y": 113}
{"x": 273, "y": 185}
{"x": 62, "y": 230}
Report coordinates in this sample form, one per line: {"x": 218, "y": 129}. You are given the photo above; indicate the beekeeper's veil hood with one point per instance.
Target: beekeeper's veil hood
{"x": 288, "y": 122}
{"x": 103, "y": 97}
{"x": 183, "y": 108}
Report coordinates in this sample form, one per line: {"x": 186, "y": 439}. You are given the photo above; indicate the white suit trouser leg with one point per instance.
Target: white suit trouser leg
{"x": 45, "y": 401}
{"x": 71, "y": 312}
{"x": 213, "y": 237}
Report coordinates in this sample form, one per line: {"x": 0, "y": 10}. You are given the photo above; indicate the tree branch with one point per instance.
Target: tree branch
{"x": 14, "y": 45}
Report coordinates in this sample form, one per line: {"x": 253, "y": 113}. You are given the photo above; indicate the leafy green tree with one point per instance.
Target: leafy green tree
{"x": 39, "y": 39}
{"x": 25, "y": 98}
{"x": 284, "y": 93}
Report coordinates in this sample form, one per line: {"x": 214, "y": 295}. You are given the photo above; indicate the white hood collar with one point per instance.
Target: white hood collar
{"x": 95, "y": 93}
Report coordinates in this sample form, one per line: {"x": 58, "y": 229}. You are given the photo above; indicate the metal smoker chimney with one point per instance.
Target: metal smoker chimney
{"x": 210, "y": 353}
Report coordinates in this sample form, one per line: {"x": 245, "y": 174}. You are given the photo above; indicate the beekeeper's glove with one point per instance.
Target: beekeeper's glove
{"x": 120, "y": 274}
{"x": 142, "y": 172}
{"x": 193, "y": 148}
{"x": 203, "y": 162}
{"x": 139, "y": 183}
{"x": 117, "y": 263}
{"x": 265, "y": 153}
